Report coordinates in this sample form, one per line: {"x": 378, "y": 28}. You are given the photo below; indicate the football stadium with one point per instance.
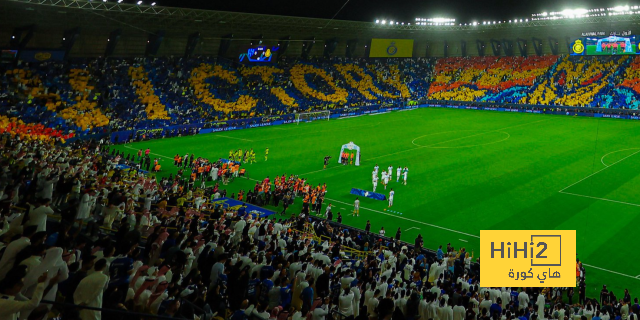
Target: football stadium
{"x": 229, "y": 161}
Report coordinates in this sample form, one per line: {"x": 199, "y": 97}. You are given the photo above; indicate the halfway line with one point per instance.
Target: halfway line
{"x": 456, "y": 139}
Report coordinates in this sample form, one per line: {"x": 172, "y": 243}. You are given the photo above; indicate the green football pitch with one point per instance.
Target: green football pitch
{"x": 468, "y": 171}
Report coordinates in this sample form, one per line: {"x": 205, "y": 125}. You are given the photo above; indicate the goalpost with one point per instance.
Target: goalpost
{"x": 311, "y": 116}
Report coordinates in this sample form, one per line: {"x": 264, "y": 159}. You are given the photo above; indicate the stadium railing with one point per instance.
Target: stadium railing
{"x": 531, "y": 107}
{"x": 427, "y": 252}
{"x": 135, "y": 134}
{"x": 67, "y": 309}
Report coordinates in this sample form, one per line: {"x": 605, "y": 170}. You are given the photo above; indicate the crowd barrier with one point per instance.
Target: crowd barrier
{"x": 238, "y": 124}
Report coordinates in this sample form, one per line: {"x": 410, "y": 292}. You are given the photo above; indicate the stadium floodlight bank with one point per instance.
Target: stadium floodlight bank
{"x": 311, "y": 116}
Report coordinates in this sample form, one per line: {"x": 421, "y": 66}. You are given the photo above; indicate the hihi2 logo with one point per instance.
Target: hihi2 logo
{"x": 528, "y": 258}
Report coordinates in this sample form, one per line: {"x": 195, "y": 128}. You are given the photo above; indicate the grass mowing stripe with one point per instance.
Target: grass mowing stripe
{"x": 512, "y": 185}
{"x": 593, "y": 174}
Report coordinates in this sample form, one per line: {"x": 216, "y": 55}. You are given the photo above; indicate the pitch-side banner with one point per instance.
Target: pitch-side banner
{"x": 391, "y": 48}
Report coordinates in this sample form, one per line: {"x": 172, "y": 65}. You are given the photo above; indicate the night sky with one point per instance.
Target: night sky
{"x": 398, "y": 10}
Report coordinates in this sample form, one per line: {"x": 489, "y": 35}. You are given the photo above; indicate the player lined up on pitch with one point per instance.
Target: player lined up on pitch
{"x": 246, "y": 156}
{"x": 388, "y": 175}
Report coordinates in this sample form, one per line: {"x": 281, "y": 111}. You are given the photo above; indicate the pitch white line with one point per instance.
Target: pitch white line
{"x": 602, "y": 159}
{"x": 219, "y": 135}
{"x": 610, "y": 271}
{"x": 456, "y": 139}
{"x": 463, "y": 240}
{"x": 603, "y": 199}
{"x": 155, "y": 154}
{"x": 589, "y": 176}
{"x": 414, "y": 221}
{"x": 412, "y": 228}
{"x": 308, "y": 173}
{"x": 460, "y": 232}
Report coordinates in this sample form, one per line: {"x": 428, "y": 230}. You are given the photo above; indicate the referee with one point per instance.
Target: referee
{"x": 326, "y": 161}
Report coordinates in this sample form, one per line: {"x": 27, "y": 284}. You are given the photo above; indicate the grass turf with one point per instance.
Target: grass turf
{"x": 468, "y": 170}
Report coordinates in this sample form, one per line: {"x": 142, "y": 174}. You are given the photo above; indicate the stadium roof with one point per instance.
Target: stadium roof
{"x": 110, "y": 15}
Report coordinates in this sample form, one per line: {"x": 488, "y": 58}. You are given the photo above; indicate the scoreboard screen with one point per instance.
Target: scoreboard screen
{"x": 258, "y": 54}
{"x": 605, "y": 46}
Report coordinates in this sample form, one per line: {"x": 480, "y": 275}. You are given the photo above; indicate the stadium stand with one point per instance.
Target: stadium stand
{"x": 98, "y": 96}
{"x": 160, "y": 248}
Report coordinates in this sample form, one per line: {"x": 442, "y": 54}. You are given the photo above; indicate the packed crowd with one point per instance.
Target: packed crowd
{"x": 88, "y": 96}
{"x": 99, "y": 95}
{"x": 166, "y": 248}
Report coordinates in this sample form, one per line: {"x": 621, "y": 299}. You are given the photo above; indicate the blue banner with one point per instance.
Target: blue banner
{"x": 233, "y": 204}
{"x": 42, "y": 55}
{"x": 126, "y": 167}
{"x": 368, "y": 194}
{"x": 227, "y": 161}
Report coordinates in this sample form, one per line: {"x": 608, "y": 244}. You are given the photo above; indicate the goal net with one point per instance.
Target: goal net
{"x": 311, "y": 116}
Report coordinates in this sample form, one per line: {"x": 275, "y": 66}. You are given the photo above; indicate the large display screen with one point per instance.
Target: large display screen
{"x": 605, "y": 46}
{"x": 258, "y": 54}
{"x": 391, "y": 48}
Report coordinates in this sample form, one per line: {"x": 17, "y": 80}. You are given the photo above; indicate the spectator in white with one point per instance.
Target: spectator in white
{"x": 445, "y": 312}
{"x": 217, "y": 270}
{"x": 382, "y": 232}
{"x": 214, "y": 173}
{"x": 260, "y": 312}
{"x": 372, "y": 304}
{"x": 356, "y": 299}
{"x": 109, "y": 213}
{"x": 9, "y": 256}
{"x": 459, "y": 311}
{"x": 36, "y": 257}
{"x": 84, "y": 207}
{"x": 90, "y": 290}
{"x": 486, "y": 302}
{"x": 321, "y": 310}
{"x": 540, "y": 304}
{"x": 12, "y": 303}
{"x": 237, "y": 228}
{"x": 506, "y": 298}
{"x": 38, "y": 216}
{"x": 55, "y": 267}
{"x": 345, "y": 303}
{"x": 436, "y": 270}
{"x": 523, "y": 300}
{"x": 47, "y": 186}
